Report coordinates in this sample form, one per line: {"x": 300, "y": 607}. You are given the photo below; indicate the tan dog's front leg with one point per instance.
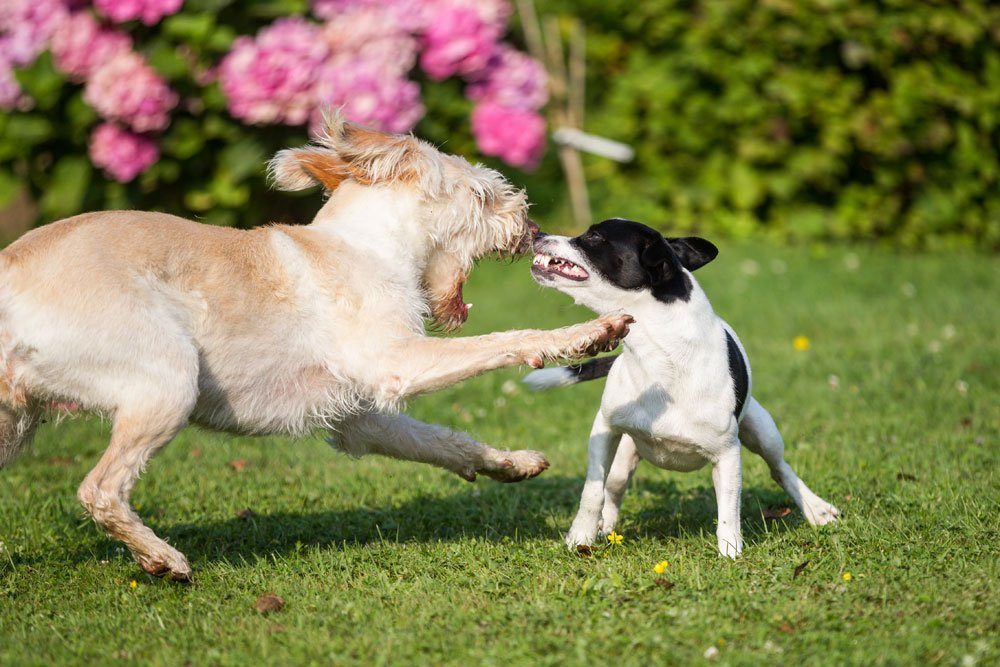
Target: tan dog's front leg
{"x": 421, "y": 365}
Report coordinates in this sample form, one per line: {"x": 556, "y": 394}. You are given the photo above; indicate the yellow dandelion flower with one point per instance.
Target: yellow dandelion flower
{"x": 615, "y": 538}
{"x": 800, "y": 343}
{"x": 847, "y": 576}
{"x": 133, "y": 584}
{"x": 661, "y": 567}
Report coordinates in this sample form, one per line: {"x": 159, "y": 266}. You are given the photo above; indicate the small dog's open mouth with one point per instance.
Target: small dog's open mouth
{"x": 548, "y": 265}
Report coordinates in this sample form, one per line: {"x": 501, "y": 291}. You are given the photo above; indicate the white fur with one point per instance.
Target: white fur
{"x": 548, "y": 378}
{"x": 669, "y": 399}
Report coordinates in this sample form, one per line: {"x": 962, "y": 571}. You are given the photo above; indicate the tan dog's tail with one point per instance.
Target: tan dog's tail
{"x": 17, "y": 426}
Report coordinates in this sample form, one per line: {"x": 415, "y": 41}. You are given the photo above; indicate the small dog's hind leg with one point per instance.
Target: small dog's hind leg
{"x": 600, "y": 455}
{"x": 626, "y": 460}
{"x": 402, "y": 437}
{"x": 136, "y": 434}
{"x": 760, "y": 435}
{"x": 727, "y": 476}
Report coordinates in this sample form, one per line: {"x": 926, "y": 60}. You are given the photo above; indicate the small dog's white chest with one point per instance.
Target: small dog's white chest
{"x": 652, "y": 414}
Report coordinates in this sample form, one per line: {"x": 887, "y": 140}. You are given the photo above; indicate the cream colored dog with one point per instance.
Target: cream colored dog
{"x": 157, "y": 321}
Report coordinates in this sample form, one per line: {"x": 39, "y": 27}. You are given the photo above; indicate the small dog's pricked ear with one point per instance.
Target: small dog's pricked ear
{"x": 693, "y": 252}
{"x": 656, "y": 260}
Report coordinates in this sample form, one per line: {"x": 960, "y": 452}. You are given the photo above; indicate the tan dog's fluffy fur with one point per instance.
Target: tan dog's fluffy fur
{"x": 158, "y": 321}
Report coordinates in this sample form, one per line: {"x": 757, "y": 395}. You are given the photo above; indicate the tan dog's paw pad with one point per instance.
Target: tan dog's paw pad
{"x": 517, "y": 466}
{"x": 601, "y": 335}
{"x": 164, "y": 563}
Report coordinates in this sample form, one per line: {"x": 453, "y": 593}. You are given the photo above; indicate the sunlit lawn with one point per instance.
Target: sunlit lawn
{"x": 892, "y": 414}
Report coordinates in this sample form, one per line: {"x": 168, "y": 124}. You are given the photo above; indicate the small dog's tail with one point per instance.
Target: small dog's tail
{"x": 17, "y": 426}
{"x": 547, "y": 378}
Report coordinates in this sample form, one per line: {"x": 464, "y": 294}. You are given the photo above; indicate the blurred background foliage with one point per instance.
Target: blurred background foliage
{"x": 814, "y": 120}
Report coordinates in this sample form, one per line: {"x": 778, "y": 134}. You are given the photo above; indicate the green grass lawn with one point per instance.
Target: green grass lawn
{"x": 892, "y": 415}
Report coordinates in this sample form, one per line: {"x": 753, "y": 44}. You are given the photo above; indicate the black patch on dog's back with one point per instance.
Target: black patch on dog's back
{"x": 738, "y": 369}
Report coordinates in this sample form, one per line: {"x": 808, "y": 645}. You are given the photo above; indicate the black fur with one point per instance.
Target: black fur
{"x": 738, "y": 369}
{"x": 591, "y": 370}
{"x": 634, "y": 256}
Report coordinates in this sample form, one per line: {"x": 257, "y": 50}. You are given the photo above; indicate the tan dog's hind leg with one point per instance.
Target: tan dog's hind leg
{"x": 136, "y": 435}
{"x": 401, "y": 437}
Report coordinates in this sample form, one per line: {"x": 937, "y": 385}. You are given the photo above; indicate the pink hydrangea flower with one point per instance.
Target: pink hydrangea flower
{"x": 512, "y": 79}
{"x": 10, "y": 90}
{"x": 270, "y": 79}
{"x": 461, "y": 36}
{"x": 128, "y": 90}
{"x": 328, "y": 9}
{"x": 148, "y": 11}
{"x": 398, "y": 15}
{"x": 516, "y": 136}
{"x": 80, "y": 45}
{"x": 375, "y": 32}
{"x": 123, "y": 155}
{"x": 26, "y": 26}
{"x": 369, "y": 94}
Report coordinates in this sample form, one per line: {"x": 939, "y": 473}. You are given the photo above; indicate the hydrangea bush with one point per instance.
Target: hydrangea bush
{"x": 176, "y": 104}
{"x": 826, "y": 120}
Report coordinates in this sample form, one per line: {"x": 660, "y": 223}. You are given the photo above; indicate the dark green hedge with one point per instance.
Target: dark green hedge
{"x": 805, "y": 119}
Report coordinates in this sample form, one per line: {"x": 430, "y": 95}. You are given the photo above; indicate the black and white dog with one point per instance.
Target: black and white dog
{"x": 679, "y": 394}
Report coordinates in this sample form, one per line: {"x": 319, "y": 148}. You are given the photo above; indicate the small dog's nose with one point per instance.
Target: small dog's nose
{"x": 533, "y": 227}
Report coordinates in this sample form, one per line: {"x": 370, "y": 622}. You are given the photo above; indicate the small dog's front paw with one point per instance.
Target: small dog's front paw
{"x": 819, "y": 512}
{"x": 730, "y": 545}
{"x": 581, "y": 534}
{"x": 609, "y": 517}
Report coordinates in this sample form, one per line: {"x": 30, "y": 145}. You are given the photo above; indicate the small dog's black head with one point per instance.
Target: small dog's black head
{"x": 625, "y": 255}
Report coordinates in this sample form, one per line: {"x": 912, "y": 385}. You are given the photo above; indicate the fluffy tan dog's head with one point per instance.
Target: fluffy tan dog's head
{"x": 461, "y": 211}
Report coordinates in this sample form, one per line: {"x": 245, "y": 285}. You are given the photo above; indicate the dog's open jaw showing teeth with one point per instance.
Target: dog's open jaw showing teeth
{"x": 549, "y": 265}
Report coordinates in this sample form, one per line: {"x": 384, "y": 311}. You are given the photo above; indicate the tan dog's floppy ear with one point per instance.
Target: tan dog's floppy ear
{"x": 346, "y": 150}
{"x": 371, "y": 156}
{"x": 301, "y": 168}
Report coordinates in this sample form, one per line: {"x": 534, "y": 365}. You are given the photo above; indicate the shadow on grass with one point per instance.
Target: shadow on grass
{"x": 539, "y": 509}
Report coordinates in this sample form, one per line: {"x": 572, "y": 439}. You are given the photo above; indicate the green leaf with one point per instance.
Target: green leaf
{"x": 25, "y": 130}
{"x": 67, "y": 187}
{"x": 242, "y": 159}
{"x": 271, "y": 9}
{"x": 81, "y": 115}
{"x": 166, "y": 60}
{"x": 199, "y": 200}
{"x": 184, "y": 139}
{"x": 41, "y": 81}
{"x": 188, "y": 27}
{"x": 9, "y": 186}
{"x": 228, "y": 194}
{"x": 222, "y": 38}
